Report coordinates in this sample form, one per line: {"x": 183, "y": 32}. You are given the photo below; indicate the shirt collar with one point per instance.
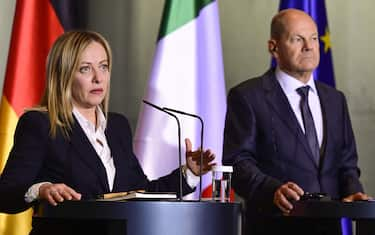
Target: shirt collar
{"x": 101, "y": 120}
{"x": 290, "y": 84}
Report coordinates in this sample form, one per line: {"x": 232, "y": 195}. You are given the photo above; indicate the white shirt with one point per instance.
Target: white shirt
{"x": 290, "y": 85}
{"x": 98, "y": 141}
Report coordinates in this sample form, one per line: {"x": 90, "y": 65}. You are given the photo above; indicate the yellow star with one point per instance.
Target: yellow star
{"x": 326, "y": 40}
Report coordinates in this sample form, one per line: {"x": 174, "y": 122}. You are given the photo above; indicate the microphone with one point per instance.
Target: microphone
{"x": 201, "y": 140}
{"x": 179, "y": 142}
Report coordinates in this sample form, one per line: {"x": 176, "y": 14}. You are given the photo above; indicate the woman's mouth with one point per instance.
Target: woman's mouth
{"x": 97, "y": 91}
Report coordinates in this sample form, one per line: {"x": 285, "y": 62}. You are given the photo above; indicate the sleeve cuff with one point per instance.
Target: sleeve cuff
{"x": 191, "y": 179}
{"x": 33, "y": 193}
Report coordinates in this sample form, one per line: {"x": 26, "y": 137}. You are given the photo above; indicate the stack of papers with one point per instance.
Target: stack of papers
{"x": 136, "y": 195}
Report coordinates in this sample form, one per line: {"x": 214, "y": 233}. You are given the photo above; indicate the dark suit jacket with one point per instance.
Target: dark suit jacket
{"x": 36, "y": 157}
{"x": 267, "y": 147}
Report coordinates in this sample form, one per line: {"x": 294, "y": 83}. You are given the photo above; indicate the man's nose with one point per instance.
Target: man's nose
{"x": 308, "y": 45}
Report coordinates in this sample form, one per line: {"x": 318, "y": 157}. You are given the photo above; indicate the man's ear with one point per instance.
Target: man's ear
{"x": 272, "y": 48}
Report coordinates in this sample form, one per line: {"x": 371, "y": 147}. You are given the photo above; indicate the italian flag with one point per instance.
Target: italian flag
{"x": 187, "y": 75}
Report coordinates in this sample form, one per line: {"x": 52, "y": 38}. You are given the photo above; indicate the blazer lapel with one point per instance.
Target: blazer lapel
{"x": 328, "y": 110}
{"x": 276, "y": 99}
{"x": 116, "y": 154}
{"x": 88, "y": 154}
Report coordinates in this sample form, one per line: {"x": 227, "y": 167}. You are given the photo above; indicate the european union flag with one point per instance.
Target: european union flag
{"x": 317, "y": 10}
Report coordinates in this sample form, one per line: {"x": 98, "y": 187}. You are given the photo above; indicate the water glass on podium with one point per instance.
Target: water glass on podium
{"x": 221, "y": 183}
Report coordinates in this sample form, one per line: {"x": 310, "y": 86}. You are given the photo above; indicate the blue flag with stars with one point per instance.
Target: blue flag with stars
{"x": 324, "y": 73}
{"x": 317, "y": 10}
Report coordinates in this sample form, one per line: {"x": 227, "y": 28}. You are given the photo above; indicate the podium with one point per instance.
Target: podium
{"x": 362, "y": 212}
{"x": 146, "y": 217}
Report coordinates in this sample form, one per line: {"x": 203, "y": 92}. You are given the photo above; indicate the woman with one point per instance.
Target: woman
{"x": 71, "y": 147}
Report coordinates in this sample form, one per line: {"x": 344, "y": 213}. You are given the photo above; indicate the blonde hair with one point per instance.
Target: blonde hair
{"x": 62, "y": 63}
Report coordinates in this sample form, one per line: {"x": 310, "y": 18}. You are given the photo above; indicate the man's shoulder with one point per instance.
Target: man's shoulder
{"x": 255, "y": 83}
{"x": 329, "y": 91}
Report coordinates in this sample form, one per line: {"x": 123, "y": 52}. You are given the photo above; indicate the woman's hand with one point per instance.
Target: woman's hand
{"x": 57, "y": 193}
{"x": 193, "y": 159}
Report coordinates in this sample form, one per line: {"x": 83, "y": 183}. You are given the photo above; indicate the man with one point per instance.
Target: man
{"x": 284, "y": 141}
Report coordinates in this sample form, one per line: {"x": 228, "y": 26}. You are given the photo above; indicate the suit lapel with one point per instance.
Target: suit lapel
{"x": 116, "y": 153}
{"x": 121, "y": 152}
{"x": 88, "y": 154}
{"x": 276, "y": 99}
{"x": 328, "y": 110}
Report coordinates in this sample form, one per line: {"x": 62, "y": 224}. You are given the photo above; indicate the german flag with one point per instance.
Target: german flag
{"x": 36, "y": 26}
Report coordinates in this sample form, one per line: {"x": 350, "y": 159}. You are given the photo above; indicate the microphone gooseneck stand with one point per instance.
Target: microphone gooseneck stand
{"x": 201, "y": 145}
{"x": 179, "y": 142}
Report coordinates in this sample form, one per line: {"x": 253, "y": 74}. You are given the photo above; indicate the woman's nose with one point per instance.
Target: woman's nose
{"x": 97, "y": 76}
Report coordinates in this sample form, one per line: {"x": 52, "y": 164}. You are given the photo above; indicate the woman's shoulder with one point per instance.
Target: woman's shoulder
{"x": 35, "y": 116}
{"x": 112, "y": 116}
{"x": 35, "y": 122}
{"x": 117, "y": 120}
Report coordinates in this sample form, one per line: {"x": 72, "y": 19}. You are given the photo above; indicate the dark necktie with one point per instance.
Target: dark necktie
{"x": 308, "y": 121}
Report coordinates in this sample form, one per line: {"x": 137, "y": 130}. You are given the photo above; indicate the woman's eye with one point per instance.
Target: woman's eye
{"x": 104, "y": 67}
{"x": 84, "y": 69}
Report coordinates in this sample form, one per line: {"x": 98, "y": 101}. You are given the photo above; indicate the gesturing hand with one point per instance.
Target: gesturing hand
{"x": 193, "y": 159}
{"x": 55, "y": 193}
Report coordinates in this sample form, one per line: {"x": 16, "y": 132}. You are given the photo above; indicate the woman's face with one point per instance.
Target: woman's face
{"x": 91, "y": 79}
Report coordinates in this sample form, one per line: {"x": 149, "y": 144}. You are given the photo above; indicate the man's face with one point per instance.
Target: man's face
{"x": 297, "y": 49}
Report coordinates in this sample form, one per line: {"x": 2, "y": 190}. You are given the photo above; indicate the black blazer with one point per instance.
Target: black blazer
{"x": 36, "y": 157}
{"x": 266, "y": 145}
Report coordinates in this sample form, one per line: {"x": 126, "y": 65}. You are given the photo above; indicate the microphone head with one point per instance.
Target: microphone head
{"x": 153, "y": 105}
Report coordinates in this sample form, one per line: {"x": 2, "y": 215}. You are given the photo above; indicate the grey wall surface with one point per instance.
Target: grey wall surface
{"x": 6, "y": 20}
{"x": 132, "y": 27}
